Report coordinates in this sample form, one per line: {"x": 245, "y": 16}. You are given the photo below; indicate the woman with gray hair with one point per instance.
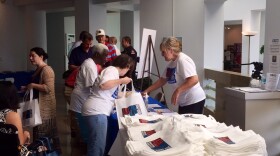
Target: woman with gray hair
{"x": 181, "y": 74}
{"x": 85, "y": 79}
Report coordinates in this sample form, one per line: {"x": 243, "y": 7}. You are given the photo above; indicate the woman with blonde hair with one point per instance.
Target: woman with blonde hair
{"x": 181, "y": 74}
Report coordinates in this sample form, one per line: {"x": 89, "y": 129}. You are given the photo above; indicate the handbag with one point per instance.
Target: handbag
{"x": 42, "y": 147}
{"x": 132, "y": 104}
{"x": 66, "y": 74}
{"x": 29, "y": 111}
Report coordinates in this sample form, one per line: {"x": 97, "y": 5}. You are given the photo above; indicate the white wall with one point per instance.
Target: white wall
{"x": 97, "y": 18}
{"x": 13, "y": 54}
{"x": 56, "y": 41}
{"x": 89, "y": 17}
{"x": 189, "y": 24}
{"x": 232, "y": 35}
{"x": 249, "y": 12}
{"x": 35, "y": 29}
{"x": 262, "y": 34}
{"x": 164, "y": 27}
{"x": 185, "y": 19}
{"x": 126, "y": 29}
{"x": 22, "y": 28}
{"x": 214, "y": 35}
{"x": 113, "y": 26}
{"x": 272, "y": 31}
{"x": 136, "y": 30}
{"x": 69, "y": 25}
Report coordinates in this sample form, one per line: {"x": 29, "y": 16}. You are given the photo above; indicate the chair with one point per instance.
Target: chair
{"x": 9, "y": 141}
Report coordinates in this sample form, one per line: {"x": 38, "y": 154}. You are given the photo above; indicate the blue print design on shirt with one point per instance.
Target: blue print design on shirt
{"x": 115, "y": 94}
{"x": 170, "y": 75}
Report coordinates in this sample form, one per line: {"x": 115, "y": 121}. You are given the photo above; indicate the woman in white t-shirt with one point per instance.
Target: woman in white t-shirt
{"x": 101, "y": 100}
{"x": 85, "y": 79}
{"x": 181, "y": 74}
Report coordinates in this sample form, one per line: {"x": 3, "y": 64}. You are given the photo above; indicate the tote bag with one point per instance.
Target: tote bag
{"x": 29, "y": 111}
{"x": 131, "y": 105}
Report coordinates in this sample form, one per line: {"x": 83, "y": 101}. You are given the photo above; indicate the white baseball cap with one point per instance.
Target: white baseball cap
{"x": 100, "y": 32}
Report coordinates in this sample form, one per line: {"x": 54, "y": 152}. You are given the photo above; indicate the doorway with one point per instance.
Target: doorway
{"x": 232, "y": 46}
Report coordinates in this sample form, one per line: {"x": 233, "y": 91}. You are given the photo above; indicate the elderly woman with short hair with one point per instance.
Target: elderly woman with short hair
{"x": 181, "y": 74}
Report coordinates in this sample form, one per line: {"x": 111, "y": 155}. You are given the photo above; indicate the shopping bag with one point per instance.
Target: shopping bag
{"x": 29, "y": 111}
{"x": 132, "y": 104}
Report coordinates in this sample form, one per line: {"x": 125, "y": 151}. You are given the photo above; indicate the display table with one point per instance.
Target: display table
{"x": 115, "y": 144}
{"x": 257, "y": 111}
{"x": 185, "y": 134}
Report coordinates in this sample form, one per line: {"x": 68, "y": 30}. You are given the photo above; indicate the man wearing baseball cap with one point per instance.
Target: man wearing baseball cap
{"x": 101, "y": 38}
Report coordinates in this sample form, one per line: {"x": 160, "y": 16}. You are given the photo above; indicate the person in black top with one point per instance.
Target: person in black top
{"x": 130, "y": 51}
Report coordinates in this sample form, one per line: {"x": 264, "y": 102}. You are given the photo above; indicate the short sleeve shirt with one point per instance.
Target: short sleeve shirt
{"x": 176, "y": 73}
{"x": 101, "y": 101}
{"x": 78, "y": 56}
{"x": 84, "y": 81}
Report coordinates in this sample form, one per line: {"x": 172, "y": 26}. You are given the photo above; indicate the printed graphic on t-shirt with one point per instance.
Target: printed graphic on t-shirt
{"x": 115, "y": 94}
{"x": 200, "y": 125}
{"x": 149, "y": 121}
{"x": 132, "y": 110}
{"x": 170, "y": 75}
{"x": 148, "y": 133}
{"x": 27, "y": 114}
{"x": 158, "y": 145}
{"x": 226, "y": 140}
{"x": 188, "y": 116}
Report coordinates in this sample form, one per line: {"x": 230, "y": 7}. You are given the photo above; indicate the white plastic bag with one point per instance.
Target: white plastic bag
{"x": 132, "y": 104}
{"x": 29, "y": 111}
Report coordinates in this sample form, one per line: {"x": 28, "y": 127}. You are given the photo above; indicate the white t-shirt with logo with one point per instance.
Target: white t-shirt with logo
{"x": 175, "y": 74}
{"x": 102, "y": 101}
{"x": 84, "y": 81}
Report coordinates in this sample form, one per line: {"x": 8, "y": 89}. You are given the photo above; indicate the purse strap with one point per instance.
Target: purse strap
{"x": 30, "y": 93}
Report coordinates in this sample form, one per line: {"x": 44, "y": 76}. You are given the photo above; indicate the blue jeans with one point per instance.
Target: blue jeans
{"x": 83, "y": 127}
{"x": 97, "y": 126}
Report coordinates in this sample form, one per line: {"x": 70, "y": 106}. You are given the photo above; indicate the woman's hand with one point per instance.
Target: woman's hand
{"x": 144, "y": 93}
{"x": 27, "y": 135}
{"x": 175, "y": 96}
{"x": 30, "y": 86}
{"x": 23, "y": 89}
{"x": 126, "y": 80}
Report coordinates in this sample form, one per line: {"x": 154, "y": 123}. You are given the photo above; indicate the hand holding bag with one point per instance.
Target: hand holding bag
{"x": 131, "y": 105}
{"x": 29, "y": 111}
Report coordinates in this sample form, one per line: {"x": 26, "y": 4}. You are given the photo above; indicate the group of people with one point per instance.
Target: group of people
{"x": 100, "y": 69}
{"x": 42, "y": 82}
{"x": 94, "y": 92}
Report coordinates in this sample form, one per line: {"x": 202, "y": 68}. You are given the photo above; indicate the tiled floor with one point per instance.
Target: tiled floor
{"x": 68, "y": 148}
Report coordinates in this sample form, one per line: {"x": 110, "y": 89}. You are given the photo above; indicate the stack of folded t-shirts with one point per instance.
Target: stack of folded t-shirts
{"x": 140, "y": 120}
{"x": 141, "y": 132}
{"x": 189, "y": 134}
{"x": 197, "y": 120}
{"x": 193, "y": 125}
{"x": 167, "y": 142}
{"x": 234, "y": 141}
